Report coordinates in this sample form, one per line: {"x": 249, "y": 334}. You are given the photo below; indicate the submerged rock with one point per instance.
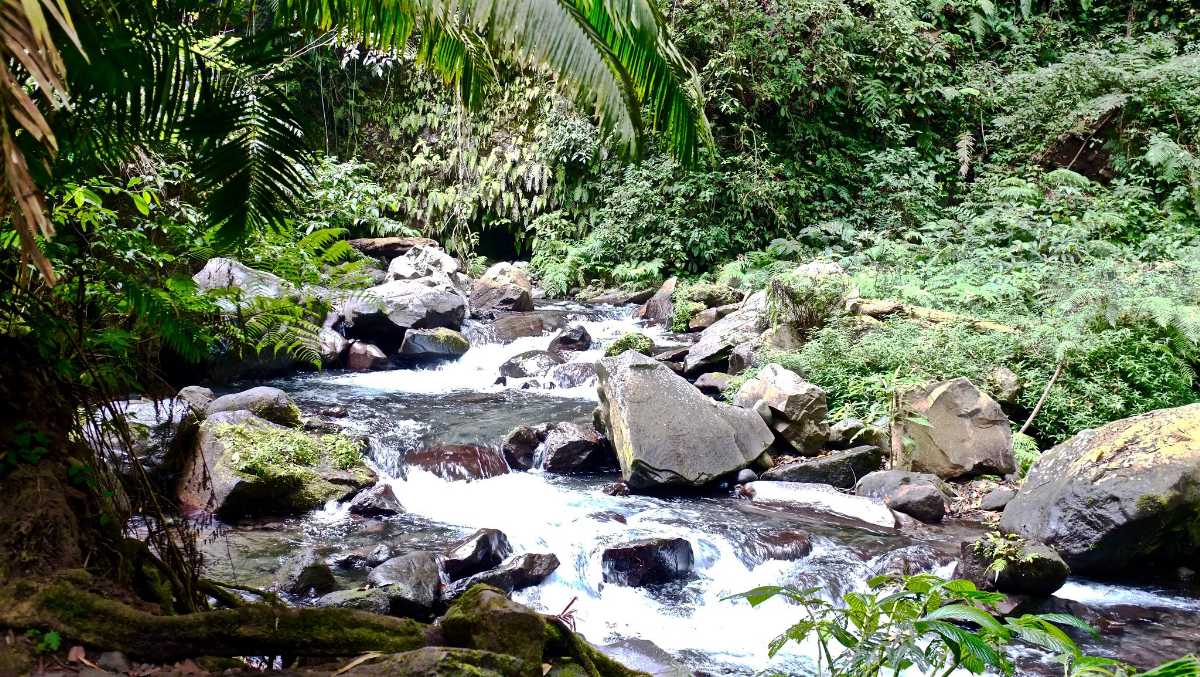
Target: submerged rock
{"x": 529, "y": 364}
{"x": 821, "y": 499}
{"x": 459, "y": 461}
{"x": 482, "y": 550}
{"x": 965, "y": 433}
{"x": 646, "y": 561}
{"x": 665, "y": 432}
{"x": 1117, "y": 497}
{"x": 268, "y": 403}
{"x": 781, "y": 544}
{"x": 841, "y": 469}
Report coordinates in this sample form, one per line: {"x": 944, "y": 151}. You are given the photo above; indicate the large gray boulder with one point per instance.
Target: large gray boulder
{"x": 798, "y": 408}
{"x": 413, "y": 582}
{"x": 388, "y": 248}
{"x": 964, "y": 432}
{"x": 660, "y": 307}
{"x": 507, "y": 273}
{"x": 841, "y": 469}
{"x": 489, "y": 297}
{"x": 263, "y": 401}
{"x": 225, "y": 273}
{"x": 918, "y": 495}
{"x": 381, "y": 314}
{"x": 1122, "y": 496}
{"x": 433, "y": 344}
{"x": 423, "y": 262}
{"x": 665, "y": 432}
{"x": 711, "y": 352}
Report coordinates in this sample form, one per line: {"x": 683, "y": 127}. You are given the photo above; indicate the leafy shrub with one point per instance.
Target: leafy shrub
{"x": 1025, "y": 451}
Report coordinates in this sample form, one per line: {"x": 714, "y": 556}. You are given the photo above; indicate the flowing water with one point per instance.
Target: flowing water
{"x": 573, "y": 518}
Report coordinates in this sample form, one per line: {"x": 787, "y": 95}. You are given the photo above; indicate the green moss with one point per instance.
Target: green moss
{"x": 632, "y": 341}
{"x": 276, "y": 452}
{"x": 343, "y": 452}
{"x": 683, "y": 313}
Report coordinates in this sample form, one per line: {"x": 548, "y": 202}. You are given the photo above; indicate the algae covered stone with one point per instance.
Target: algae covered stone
{"x": 242, "y": 466}
{"x": 639, "y": 343}
{"x": 1119, "y": 497}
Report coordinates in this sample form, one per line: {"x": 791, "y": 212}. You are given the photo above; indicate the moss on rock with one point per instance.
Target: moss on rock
{"x": 634, "y": 341}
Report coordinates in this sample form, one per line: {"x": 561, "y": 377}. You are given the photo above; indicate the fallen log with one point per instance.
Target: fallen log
{"x": 881, "y": 308}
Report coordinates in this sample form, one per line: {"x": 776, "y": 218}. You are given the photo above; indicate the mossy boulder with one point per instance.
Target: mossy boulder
{"x": 638, "y": 343}
{"x": 484, "y": 618}
{"x": 438, "y": 661}
{"x": 433, "y": 344}
{"x": 1013, "y": 565}
{"x": 265, "y": 402}
{"x": 1122, "y": 496}
{"x": 243, "y": 466}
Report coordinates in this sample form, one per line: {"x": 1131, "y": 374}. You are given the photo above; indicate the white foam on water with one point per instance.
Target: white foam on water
{"x": 1094, "y": 593}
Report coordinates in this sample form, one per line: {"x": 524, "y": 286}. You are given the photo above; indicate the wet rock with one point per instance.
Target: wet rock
{"x": 507, "y": 273}
{"x": 484, "y": 618}
{"x": 841, "y": 469}
{"x": 616, "y": 489}
{"x": 665, "y": 432}
{"x": 378, "y": 501}
{"x": 306, "y": 576}
{"x": 1117, "y": 497}
{"x": 572, "y": 339}
{"x": 1028, "y": 569}
{"x": 374, "y": 600}
{"x": 516, "y": 573}
{"x": 659, "y": 308}
{"x": 388, "y": 248}
{"x": 459, "y": 461}
{"x": 431, "y": 345}
{"x": 997, "y": 499}
{"x": 271, "y": 404}
{"x": 621, "y": 297}
{"x": 780, "y": 544}
{"x": 213, "y": 476}
{"x": 382, "y": 314}
{"x": 823, "y": 500}
{"x": 713, "y": 383}
{"x": 509, "y": 327}
{"x": 798, "y": 407}
{"x": 413, "y": 582}
{"x": 332, "y": 347}
{"x": 520, "y": 446}
{"x": 529, "y": 364}
{"x": 967, "y": 433}
{"x": 711, "y": 352}
{"x": 489, "y": 297}
{"x": 645, "y": 656}
{"x": 573, "y": 448}
{"x": 709, "y": 316}
{"x": 741, "y": 358}
{"x": 225, "y": 273}
{"x": 366, "y": 357}
{"x": 746, "y": 475}
{"x": 334, "y": 411}
{"x": 647, "y": 561}
{"x": 362, "y": 558}
{"x": 919, "y": 495}
{"x": 482, "y": 550}
{"x": 572, "y": 374}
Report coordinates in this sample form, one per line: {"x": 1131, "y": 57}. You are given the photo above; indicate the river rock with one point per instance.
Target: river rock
{"x": 520, "y": 446}
{"x": 572, "y": 374}
{"x": 709, "y": 316}
{"x": 529, "y": 364}
{"x": 919, "y": 495}
{"x": 423, "y": 262}
{"x": 365, "y": 557}
{"x": 572, "y": 339}
{"x": 1030, "y": 569}
{"x": 647, "y": 561}
{"x": 573, "y": 448}
{"x": 433, "y": 344}
{"x": 822, "y": 500}
{"x": 374, "y": 600}
{"x": 511, "y": 326}
{"x": 210, "y": 480}
{"x": 741, "y": 357}
{"x": 484, "y": 618}
{"x": 621, "y": 297}
{"x": 380, "y": 500}
{"x": 387, "y": 248}
{"x": 507, "y": 273}
{"x": 665, "y": 432}
{"x": 745, "y": 476}
{"x": 366, "y": 357}
{"x": 489, "y": 297}
{"x": 713, "y": 383}
{"x": 332, "y": 346}
{"x": 1122, "y": 496}
{"x": 459, "y": 461}
{"x": 516, "y": 573}
{"x": 646, "y": 657}
{"x": 306, "y": 576}
{"x": 271, "y": 404}
{"x": 967, "y": 433}
{"x": 841, "y": 469}
{"x": 382, "y": 314}
{"x": 997, "y": 499}
{"x": 711, "y": 352}
{"x": 482, "y": 550}
{"x": 659, "y": 308}
{"x": 781, "y": 544}
{"x": 225, "y": 273}
{"x": 798, "y": 407}
{"x": 414, "y": 583}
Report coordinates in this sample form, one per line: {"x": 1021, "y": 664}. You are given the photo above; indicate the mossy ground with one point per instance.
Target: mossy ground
{"x": 632, "y": 341}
